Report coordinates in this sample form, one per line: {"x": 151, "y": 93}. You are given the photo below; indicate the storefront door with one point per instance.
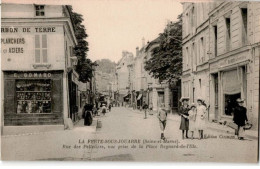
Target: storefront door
{"x": 160, "y": 98}
{"x": 233, "y": 87}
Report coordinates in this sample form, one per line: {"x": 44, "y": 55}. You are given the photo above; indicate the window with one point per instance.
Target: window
{"x": 187, "y": 57}
{"x": 216, "y": 89}
{"x": 186, "y": 89}
{"x": 244, "y": 25}
{"x": 71, "y": 51}
{"x": 41, "y": 49}
{"x": 33, "y": 96}
{"x": 200, "y": 83}
{"x": 227, "y": 33}
{"x": 215, "y": 29}
{"x": 193, "y": 56}
{"x": 39, "y": 10}
{"x": 202, "y": 50}
{"x": 192, "y": 18}
{"x": 187, "y": 23}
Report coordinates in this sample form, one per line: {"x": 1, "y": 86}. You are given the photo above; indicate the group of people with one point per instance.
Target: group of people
{"x": 89, "y": 111}
{"x": 193, "y": 118}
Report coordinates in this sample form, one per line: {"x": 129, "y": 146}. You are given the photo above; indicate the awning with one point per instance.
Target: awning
{"x": 231, "y": 82}
{"x": 139, "y": 96}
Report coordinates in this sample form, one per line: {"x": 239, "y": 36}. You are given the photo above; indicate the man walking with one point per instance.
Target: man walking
{"x": 240, "y": 118}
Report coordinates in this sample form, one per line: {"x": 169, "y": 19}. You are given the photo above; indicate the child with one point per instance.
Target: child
{"x": 201, "y": 117}
{"x": 192, "y": 118}
{"x": 162, "y": 116}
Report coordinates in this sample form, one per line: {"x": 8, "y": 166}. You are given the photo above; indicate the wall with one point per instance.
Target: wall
{"x": 55, "y": 53}
{"x": 27, "y": 11}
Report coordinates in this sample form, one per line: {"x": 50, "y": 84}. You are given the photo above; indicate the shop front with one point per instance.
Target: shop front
{"x": 228, "y": 84}
{"x": 33, "y": 98}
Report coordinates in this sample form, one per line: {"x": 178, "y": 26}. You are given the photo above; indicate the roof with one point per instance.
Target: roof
{"x": 155, "y": 41}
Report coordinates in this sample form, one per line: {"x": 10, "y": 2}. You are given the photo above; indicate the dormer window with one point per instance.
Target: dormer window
{"x": 39, "y": 10}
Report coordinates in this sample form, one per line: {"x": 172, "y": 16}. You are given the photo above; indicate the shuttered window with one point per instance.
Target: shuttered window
{"x": 41, "y": 52}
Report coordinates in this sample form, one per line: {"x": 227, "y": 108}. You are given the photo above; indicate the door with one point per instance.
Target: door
{"x": 160, "y": 98}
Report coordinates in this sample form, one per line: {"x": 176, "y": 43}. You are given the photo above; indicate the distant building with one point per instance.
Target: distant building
{"x": 221, "y": 56}
{"x": 122, "y": 77}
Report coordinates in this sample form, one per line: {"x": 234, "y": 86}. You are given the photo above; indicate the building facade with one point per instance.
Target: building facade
{"x": 221, "y": 56}
{"x": 123, "y": 78}
{"x": 158, "y": 93}
{"x": 36, "y": 58}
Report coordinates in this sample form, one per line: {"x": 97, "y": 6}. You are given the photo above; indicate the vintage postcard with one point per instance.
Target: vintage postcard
{"x": 121, "y": 80}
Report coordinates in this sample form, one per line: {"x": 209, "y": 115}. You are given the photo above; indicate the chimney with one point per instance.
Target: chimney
{"x": 137, "y": 51}
{"x": 143, "y": 42}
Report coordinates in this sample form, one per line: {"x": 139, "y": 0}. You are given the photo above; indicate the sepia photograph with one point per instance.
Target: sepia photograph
{"x": 130, "y": 81}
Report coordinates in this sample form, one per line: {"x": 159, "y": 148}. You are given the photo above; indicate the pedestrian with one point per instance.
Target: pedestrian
{"x": 184, "y": 109}
{"x": 87, "y": 114}
{"x": 109, "y": 107}
{"x": 240, "y": 118}
{"x": 94, "y": 111}
{"x": 150, "y": 109}
{"x": 201, "y": 117}
{"x": 145, "y": 107}
{"x": 162, "y": 116}
{"x": 192, "y": 118}
{"x": 103, "y": 109}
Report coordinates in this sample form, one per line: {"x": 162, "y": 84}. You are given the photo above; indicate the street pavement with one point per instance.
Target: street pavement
{"x": 124, "y": 124}
{"x": 129, "y": 124}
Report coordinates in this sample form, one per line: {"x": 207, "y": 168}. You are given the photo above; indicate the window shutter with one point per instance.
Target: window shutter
{"x": 44, "y": 56}
{"x": 37, "y": 49}
{"x": 37, "y": 41}
{"x": 44, "y": 41}
{"x": 44, "y": 49}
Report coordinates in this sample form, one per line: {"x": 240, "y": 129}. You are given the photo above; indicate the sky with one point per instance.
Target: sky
{"x": 117, "y": 25}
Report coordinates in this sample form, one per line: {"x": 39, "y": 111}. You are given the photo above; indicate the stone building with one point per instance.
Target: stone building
{"x": 37, "y": 67}
{"x": 158, "y": 93}
{"x": 221, "y": 56}
{"x": 123, "y": 78}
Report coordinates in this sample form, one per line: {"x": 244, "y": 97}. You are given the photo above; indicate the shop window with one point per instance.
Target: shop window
{"x": 230, "y": 103}
{"x": 33, "y": 96}
{"x": 41, "y": 55}
{"x": 39, "y": 10}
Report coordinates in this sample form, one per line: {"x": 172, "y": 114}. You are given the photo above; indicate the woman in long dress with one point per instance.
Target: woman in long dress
{"x": 192, "y": 119}
{"x": 87, "y": 114}
{"x": 184, "y": 109}
{"x": 201, "y": 117}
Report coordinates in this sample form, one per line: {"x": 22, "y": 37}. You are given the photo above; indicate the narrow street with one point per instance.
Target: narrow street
{"x": 124, "y": 123}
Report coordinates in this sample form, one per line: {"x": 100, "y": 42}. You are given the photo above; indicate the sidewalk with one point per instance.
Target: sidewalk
{"x": 48, "y": 145}
{"x": 251, "y": 134}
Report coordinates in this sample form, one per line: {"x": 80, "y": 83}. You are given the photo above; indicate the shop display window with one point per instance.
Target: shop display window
{"x": 230, "y": 103}
{"x": 33, "y": 96}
